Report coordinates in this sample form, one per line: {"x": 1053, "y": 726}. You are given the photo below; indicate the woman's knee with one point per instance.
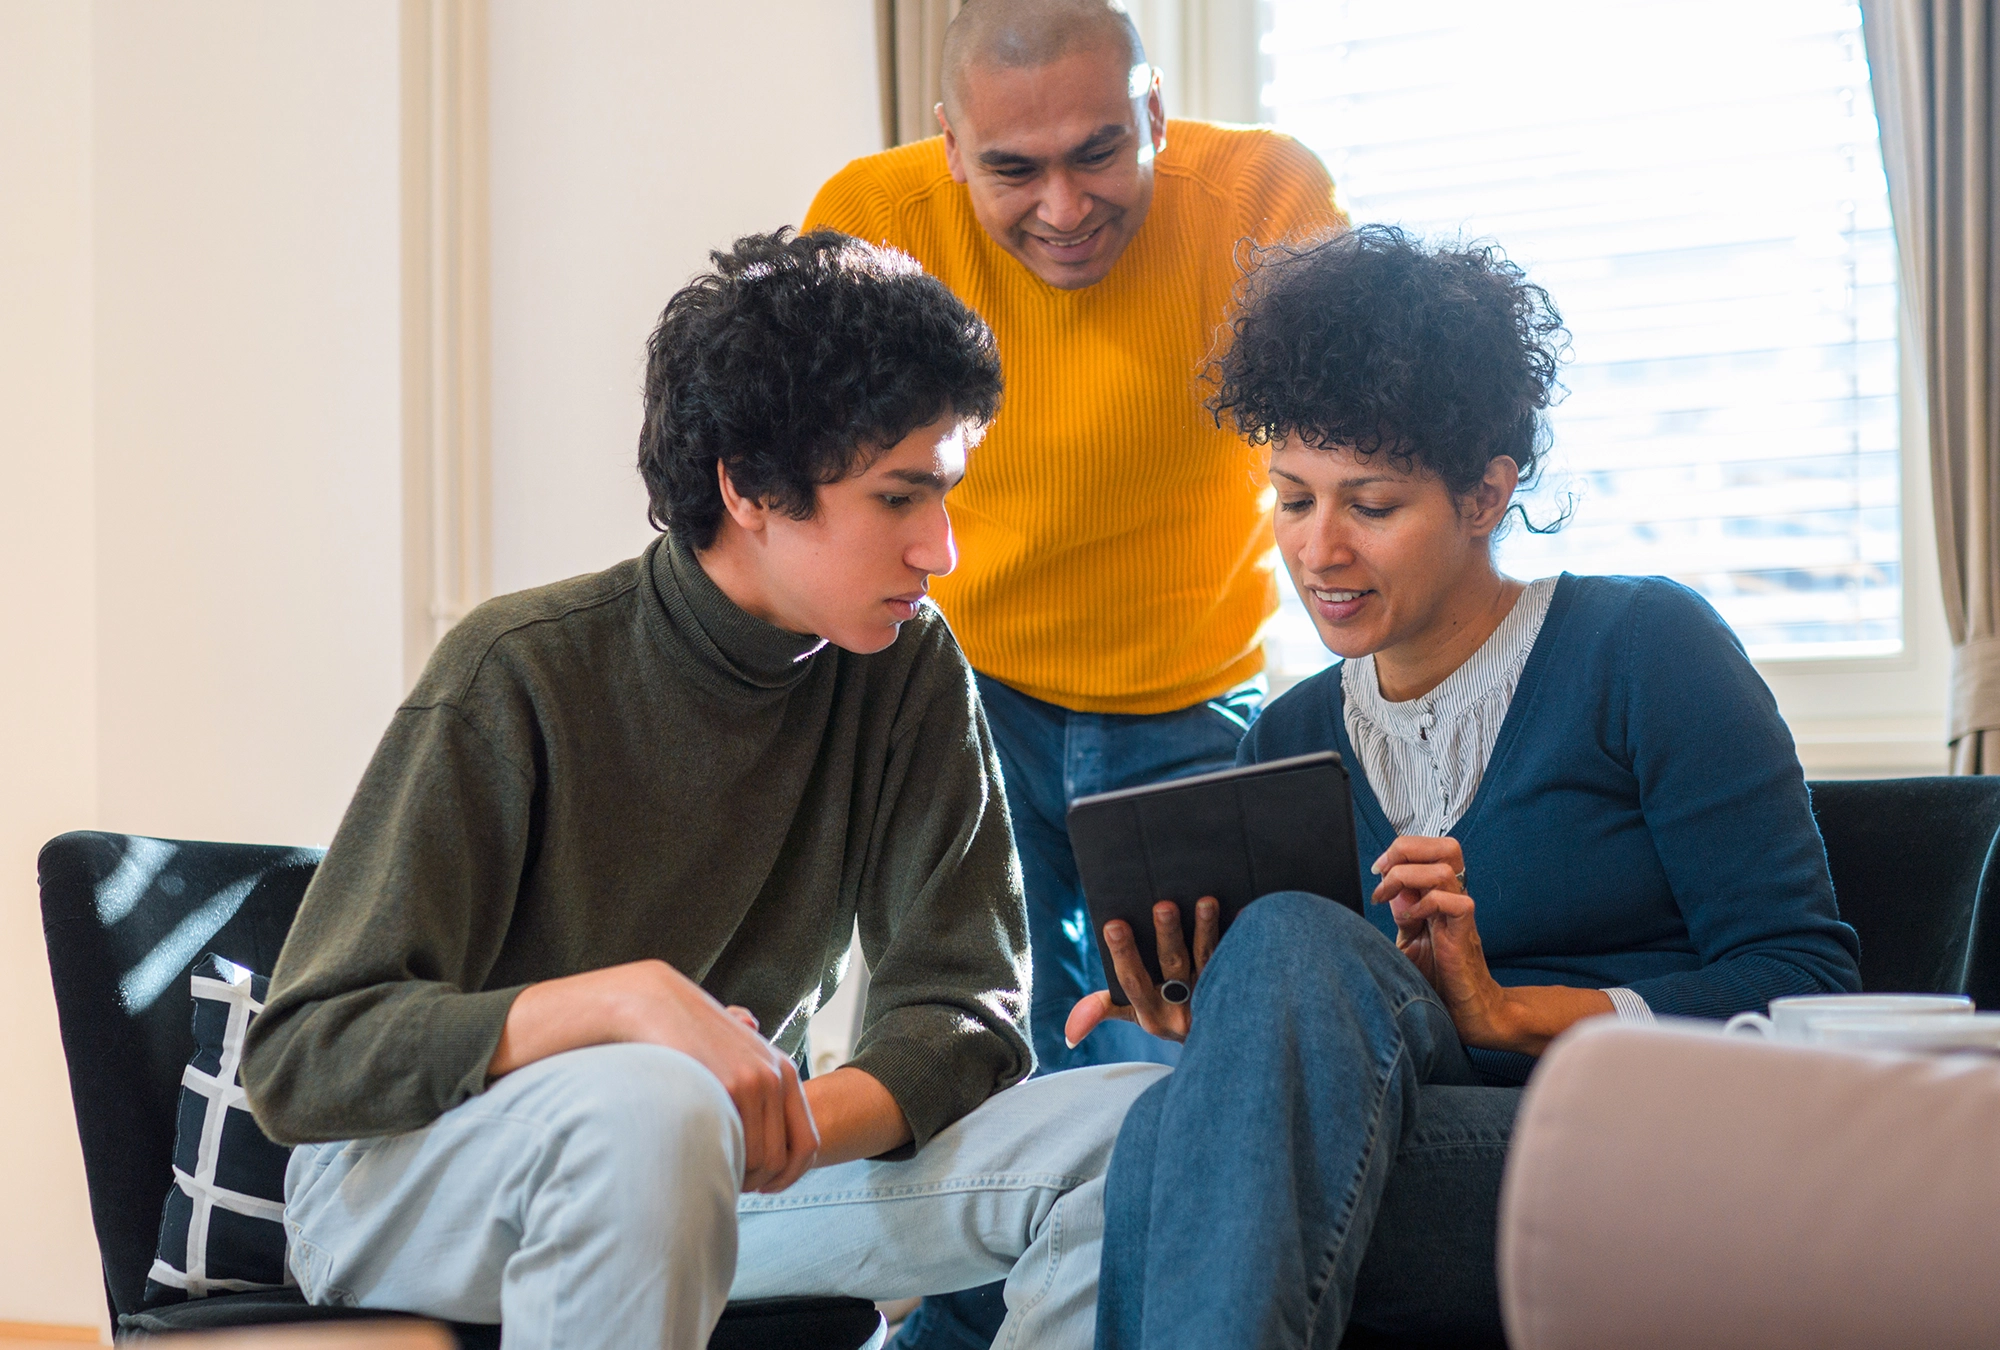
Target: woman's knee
{"x": 1297, "y": 928}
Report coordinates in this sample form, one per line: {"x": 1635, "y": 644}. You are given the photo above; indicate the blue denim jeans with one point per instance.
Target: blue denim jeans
{"x": 1051, "y": 756}
{"x": 1324, "y": 1155}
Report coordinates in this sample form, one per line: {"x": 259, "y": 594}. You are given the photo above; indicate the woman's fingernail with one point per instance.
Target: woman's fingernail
{"x": 1068, "y": 1042}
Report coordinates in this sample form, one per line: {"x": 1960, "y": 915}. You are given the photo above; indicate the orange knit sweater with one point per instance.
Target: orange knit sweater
{"x": 1115, "y": 549}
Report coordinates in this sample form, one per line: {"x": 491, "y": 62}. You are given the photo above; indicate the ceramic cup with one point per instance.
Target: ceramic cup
{"x": 1922, "y": 1034}
{"x": 1792, "y": 1019}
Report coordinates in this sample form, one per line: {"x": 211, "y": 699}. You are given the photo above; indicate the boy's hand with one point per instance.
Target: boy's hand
{"x": 651, "y": 1003}
{"x": 857, "y": 1117}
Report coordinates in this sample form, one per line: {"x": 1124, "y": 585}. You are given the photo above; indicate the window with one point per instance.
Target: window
{"x": 1700, "y": 188}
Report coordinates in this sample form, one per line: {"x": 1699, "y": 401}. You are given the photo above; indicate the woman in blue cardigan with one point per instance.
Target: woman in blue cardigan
{"x": 1574, "y": 798}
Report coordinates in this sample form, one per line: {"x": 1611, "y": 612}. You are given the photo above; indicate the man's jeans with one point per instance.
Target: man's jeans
{"x": 591, "y": 1200}
{"x": 1324, "y": 1153}
{"x": 1051, "y": 756}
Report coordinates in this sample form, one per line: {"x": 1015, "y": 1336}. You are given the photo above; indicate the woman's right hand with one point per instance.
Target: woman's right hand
{"x": 1149, "y": 1007}
{"x": 1423, "y": 883}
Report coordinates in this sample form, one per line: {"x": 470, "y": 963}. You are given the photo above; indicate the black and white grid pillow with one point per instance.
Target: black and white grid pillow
{"x": 222, "y": 1229}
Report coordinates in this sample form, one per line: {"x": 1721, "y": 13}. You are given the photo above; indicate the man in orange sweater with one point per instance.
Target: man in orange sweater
{"x": 1116, "y": 543}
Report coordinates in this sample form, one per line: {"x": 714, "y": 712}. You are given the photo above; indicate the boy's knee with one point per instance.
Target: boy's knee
{"x": 642, "y": 1113}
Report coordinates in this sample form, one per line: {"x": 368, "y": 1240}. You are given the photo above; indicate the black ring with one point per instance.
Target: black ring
{"x": 1175, "y": 991}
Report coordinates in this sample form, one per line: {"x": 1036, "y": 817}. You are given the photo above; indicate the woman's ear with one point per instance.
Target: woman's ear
{"x": 1494, "y": 494}
{"x": 747, "y": 513}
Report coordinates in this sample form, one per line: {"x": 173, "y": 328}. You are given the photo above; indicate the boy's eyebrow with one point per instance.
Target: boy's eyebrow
{"x": 920, "y": 478}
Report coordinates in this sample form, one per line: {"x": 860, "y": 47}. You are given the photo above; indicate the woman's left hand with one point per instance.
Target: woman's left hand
{"x": 1423, "y": 883}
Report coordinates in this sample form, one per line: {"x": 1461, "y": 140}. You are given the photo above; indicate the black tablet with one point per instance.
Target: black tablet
{"x": 1283, "y": 825}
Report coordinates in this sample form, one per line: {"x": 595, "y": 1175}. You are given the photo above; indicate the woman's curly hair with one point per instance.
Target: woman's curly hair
{"x": 795, "y": 362}
{"x": 1441, "y": 358}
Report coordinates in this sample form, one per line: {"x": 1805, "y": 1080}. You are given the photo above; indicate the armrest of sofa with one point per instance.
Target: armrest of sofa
{"x": 1670, "y": 1187}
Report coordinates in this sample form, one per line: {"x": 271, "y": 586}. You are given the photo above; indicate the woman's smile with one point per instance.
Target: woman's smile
{"x": 1337, "y": 606}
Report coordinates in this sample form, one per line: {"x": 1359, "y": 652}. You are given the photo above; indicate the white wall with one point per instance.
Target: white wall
{"x": 200, "y": 407}
{"x": 248, "y": 208}
{"x": 48, "y": 663}
{"x": 630, "y": 137}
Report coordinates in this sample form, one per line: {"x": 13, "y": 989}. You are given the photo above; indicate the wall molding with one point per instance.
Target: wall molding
{"x": 447, "y": 341}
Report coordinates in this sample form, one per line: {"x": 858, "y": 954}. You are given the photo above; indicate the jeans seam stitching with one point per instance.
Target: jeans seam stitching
{"x": 1330, "y": 1258}
{"x": 950, "y": 1186}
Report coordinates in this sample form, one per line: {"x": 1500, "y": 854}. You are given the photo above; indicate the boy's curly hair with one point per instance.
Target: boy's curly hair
{"x": 1441, "y": 358}
{"x": 795, "y": 362}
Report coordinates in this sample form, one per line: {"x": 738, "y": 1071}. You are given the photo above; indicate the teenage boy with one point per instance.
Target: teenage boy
{"x": 620, "y": 833}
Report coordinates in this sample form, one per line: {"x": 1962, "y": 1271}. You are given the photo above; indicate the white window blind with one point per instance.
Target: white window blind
{"x": 1699, "y": 186}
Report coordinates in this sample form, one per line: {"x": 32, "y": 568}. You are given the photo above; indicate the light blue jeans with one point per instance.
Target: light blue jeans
{"x": 591, "y": 1200}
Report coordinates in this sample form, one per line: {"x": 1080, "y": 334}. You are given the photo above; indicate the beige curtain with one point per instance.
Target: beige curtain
{"x": 909, "y": 40}
{"x": 1935, "y": 65}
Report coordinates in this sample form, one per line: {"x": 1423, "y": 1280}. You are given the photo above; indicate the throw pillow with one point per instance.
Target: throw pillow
{"x": 222, "y": 1229}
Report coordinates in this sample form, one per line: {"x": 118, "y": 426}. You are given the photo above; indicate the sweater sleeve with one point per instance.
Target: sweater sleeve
{"x": 1725, "y": 800}
{"x": 370, "y": 1028}
{"x": 1284, "y": 192}
{"x": 853, "y": 202}
{"x": 943, "y": 924}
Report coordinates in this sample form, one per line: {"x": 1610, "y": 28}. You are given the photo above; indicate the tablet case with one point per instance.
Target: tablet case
{"x": 1284, "y": 825}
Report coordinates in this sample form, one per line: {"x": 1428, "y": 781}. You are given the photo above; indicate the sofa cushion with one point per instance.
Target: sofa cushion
{"x": 222, "y": 1226}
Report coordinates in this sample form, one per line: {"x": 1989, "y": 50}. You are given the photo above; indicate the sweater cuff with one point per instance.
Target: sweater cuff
{"x": 463, "y": 1031}
{"x": 1630, "y": 1007}
{"x": 933, "y": 1089}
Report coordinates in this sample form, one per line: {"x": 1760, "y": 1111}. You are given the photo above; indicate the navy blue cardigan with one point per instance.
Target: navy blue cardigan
{"x": 1643, "y": 820}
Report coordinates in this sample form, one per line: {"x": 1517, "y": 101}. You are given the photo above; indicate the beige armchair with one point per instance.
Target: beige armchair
{"x": 1671, "y": 1188}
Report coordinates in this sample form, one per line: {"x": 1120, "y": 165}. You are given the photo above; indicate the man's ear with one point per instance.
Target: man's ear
{"x": 953, "y": 160}
{"x": 748, "y": 514}
{"x": 1494, "y": 493}
{"x": 1156, "y": 113}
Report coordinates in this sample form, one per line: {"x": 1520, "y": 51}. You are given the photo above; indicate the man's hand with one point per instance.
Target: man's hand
{"x": 1149, "y": 1008}
{"x": 651, "y": 1003}
{"x": 1423, "y": 883}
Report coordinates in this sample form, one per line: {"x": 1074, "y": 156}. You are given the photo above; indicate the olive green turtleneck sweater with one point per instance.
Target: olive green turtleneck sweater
{"x": 627, "y": 765}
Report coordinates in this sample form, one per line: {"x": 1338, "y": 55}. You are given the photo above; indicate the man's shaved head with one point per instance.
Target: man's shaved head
{"x": 1010, "y": 34}
{"x": 1051, "y": 119}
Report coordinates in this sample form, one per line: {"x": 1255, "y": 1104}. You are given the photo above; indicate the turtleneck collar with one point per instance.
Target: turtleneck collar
{"x": 721, "y": 638}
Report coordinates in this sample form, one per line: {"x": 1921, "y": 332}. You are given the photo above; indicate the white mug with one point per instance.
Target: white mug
{"x": 1792, "y": 1018}
{"x": 1926, "y": 1033}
